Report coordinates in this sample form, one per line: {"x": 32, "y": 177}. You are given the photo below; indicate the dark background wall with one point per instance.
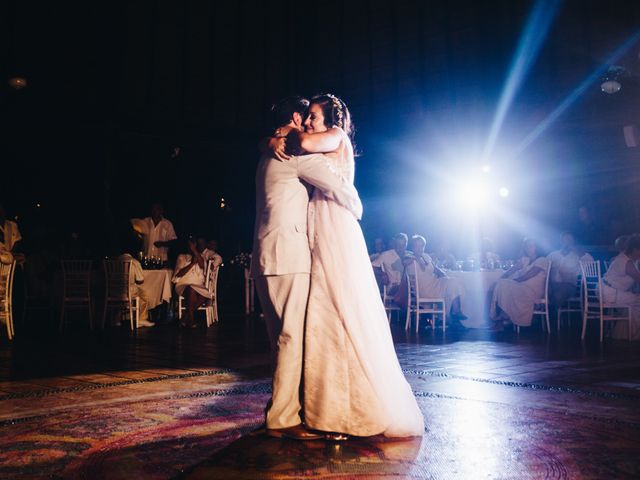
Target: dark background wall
{"x": 114, "y": 86}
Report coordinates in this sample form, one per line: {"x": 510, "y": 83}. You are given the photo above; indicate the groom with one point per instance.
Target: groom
{"x": 281, "y": 261}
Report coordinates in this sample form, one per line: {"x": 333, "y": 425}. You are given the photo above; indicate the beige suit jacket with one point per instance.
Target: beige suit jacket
{"x": 280, "y": 244}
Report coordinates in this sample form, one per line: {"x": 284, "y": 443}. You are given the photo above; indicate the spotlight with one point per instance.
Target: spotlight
{"x": 472, "y": 195}
{"x": 611, "y": 80}
{"x": 610, "y": 86}
{"x": 486, "y": 168}
{"x": 503, "y": 192}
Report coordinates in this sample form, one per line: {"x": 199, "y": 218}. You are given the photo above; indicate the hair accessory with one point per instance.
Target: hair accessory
{"x": 337, "y": 106}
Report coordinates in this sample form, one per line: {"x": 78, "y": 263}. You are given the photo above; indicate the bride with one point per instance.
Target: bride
{"x": 353, "y": 383}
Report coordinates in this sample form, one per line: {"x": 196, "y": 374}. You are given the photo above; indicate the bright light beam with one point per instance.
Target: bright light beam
{"x": 472, "y": 195}
{"x": 531, "y": 40}
{"x": 575, "y": 94}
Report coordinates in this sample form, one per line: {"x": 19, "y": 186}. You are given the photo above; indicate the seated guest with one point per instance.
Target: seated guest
{"x": 486, "y": 257}
{"x": 517, "y": 292}
{"x": 209, "y": 251}
{"x": 9, "y": 238}
{"x": 433, "y": 282}
{"x": 158, "y": 233}
{"x": 621, "y": 244}
{"x": 617, "y": 284}
{"x": 136, "y": 277}
{"x": 443, "y": 257}
{"x": 388, "y": 266}
{"x": 565, "y": 269}
{"x": 212, "y": 246}
{"x": 378, "y": 248}
{"x": 189, "y": 277}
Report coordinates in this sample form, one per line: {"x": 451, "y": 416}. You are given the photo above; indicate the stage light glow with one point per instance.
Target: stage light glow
{"x": 503, "y": 192}
{"x": 486, "y": 168}
{"x": 472, "y": 194}
{"x": 531, "y": 40}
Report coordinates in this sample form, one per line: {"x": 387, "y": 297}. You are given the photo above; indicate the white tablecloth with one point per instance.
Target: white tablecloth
{"x": 475, "y": 303}
{"x": 157, "y": 286}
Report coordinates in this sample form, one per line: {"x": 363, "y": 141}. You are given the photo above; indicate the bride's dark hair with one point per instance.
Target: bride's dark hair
{"x": 335, "y": 111}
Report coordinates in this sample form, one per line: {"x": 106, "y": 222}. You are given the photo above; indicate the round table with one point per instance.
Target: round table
{"x": 475, "y": 303}
{"x": 157, "y": 286}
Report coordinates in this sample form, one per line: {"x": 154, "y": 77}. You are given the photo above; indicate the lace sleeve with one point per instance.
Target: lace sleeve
{"x": 341, "y": 163}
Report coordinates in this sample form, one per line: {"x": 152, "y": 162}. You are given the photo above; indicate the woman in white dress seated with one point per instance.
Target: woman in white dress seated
{"x": 517, "y": 292}
{"x": 189, "y": 277}
{"x": 617, "y": 285}
{"x": 432, "y": 281}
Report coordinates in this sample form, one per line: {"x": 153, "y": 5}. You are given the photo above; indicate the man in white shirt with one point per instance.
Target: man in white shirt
{"x": 565, "y": 269}
{"x": 388, "y": 265}
{"x": 158, "y": 233}
{"x": 9, "y": 237}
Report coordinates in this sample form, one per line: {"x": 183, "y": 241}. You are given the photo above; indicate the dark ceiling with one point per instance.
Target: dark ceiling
{"x": 114, "y": 86}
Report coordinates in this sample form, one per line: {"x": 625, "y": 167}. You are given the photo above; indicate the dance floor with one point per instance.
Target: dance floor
{"x": 168, "y": 403}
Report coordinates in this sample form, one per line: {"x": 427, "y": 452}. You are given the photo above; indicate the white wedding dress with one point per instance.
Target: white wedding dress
{"x": 353, "y": 382}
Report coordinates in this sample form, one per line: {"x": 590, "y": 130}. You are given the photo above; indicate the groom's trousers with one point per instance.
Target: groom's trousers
{"x": 284, "y": 303}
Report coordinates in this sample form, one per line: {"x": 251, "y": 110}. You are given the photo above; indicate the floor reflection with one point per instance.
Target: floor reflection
{"x": 264, "y": 457}
{"x": 477, "y": 440}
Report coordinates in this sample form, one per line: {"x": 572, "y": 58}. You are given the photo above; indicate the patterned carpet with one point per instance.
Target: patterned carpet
{"x": 197, "y": 424}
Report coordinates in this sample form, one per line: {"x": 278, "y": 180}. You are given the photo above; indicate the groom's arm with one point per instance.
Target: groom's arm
{"x": 317, "y": 170}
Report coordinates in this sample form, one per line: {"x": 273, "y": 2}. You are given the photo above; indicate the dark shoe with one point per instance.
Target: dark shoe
{"x": 297, "y": 432}
{"x": 497, "y": 326}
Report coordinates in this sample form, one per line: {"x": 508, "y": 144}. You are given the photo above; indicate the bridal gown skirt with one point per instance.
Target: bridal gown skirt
{"x": 353, "y": 382}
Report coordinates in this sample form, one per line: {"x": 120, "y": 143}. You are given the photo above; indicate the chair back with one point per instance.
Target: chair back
{"x": 6, "y": 283}
{"x": 385, "y": 296}
{"x": 413, "y": 283}
{"x": 417, "y": 304}
{"x": 6, "y": 292}
{"x": 592, "y": 287}
{"x": 546, "y": 284}
{"x": 76, "y": 279}
{"x": 117, "y": 279}
{"x": 211, "y": 278}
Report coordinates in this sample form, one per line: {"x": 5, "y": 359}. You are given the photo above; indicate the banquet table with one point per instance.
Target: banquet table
{"x": 475, "y": 303}
{"x": 157, "y": 286}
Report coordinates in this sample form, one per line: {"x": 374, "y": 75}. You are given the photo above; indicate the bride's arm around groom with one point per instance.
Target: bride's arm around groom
{"x": 317, "y": 170}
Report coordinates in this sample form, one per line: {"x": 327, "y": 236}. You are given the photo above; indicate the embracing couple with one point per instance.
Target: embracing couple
{"x": 335, "y": 370}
